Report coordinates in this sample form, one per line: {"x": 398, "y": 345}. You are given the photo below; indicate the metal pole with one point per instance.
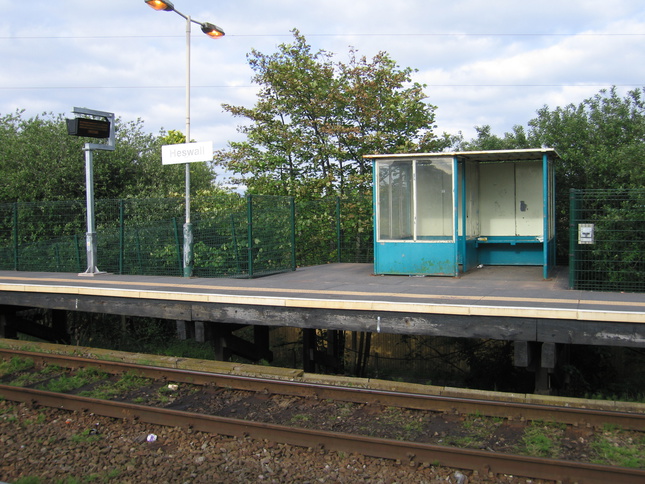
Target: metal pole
{"x": 188, "y": 228}
{"x": 15, "y": 237}
{"x": 90, "y": 236}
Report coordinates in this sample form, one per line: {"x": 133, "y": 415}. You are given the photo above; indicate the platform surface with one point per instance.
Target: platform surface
{"x": 510, "y": 291}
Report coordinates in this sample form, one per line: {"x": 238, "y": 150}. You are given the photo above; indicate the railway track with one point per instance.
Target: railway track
{"x": 482, "y": 461}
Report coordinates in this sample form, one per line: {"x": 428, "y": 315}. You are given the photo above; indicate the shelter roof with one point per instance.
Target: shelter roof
{"x": 479, "y": 156}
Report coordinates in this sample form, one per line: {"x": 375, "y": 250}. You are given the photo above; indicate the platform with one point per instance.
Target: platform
{"x": 498, "y": 302}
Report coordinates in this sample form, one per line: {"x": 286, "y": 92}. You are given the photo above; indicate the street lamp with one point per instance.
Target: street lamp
{"x": 214, "y": 32}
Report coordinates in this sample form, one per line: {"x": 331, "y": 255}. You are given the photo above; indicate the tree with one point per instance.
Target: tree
{"x": 486, "y": 140}
{"x": 601, "y": 140}
{"x": 40, "y": 161}
{"x": 314, "y": 119}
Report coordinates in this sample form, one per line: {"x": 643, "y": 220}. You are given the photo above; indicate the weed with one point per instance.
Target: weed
{"x": 345, "y": 409}
{"x": 50, "y": 369}
{"x": 15, "y": 364}
{"x": 464, "y": 441}
{"x": 542, "y": 439}
{"x": 87, "y": 435}
{"x": 10, "y": 408}
{"x": 29, "y": 480}
{"x": 67, "y": 383}
{"x": 39, "y": 420}
{"x": 187, "y": 349}
{"x": 113, "y": 474}
{"x": 618, "y": 448}
{"x": 109, "y": 389}
{"x": 301, "y": 417}
{"x": 611, "y": 427}
{"x": 479, "y": 427}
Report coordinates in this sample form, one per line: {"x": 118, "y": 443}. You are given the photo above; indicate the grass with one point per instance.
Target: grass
{"x": 542, "y": 439}
{"x": 477, "y": 431}
{"x": 301, "y": 417}
{"x": 619, "y": 448}
{"x": 68, "y": 383}
{"x": 186, "y": 349}
{"x": 30, "y": 378}
{"x": 39, "y": 420}
{"x": 15, "y": 365}
{"x": 406, "y": 425}
{"x": 111, "y": 389}
{"x": 87, "y": 435}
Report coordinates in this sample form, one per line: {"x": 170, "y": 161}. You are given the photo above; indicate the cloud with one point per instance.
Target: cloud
{"x": 493, "y": 62}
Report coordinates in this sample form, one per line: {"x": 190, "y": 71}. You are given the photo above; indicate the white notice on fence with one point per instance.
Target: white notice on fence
{"x": 186, "y": 153}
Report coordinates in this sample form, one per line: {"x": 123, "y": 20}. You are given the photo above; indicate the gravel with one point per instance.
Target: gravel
{"x": 57, "y": 446}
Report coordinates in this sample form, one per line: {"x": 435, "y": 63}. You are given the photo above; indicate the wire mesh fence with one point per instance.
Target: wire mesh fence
{"x": 607, "y": 240}
{"x": 234, "y": 236}
{"x": 334, "y": 230}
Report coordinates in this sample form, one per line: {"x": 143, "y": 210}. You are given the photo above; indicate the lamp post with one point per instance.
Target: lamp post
{"x": 214, "y": 32}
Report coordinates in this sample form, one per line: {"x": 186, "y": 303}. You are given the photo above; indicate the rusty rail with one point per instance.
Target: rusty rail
{"x": 383, "y": 448}
{"x": 515, "y": 410}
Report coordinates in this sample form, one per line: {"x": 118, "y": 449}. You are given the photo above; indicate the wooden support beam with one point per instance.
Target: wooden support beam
{"x": 522, "y": 354}
{"x": 548, "y": 356}
{"x": 309, "y": 350}
{"x": 226, "y": 344}
{"x": 624, "y": 334}
{"x": 185, "y": 330}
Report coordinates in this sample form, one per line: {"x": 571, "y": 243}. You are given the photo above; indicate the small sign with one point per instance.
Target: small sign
{"x": 186, "y": 153}
{"x": 585, "y": 233}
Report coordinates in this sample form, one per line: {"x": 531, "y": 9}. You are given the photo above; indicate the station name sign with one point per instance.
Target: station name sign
{"x": 186, "y": 153}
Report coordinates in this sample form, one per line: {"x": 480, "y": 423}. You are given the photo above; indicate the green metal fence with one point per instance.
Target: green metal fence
{"x": 334, "y": 230}
{"x": 607, "y": 240}
{"x": 233, "y": 236}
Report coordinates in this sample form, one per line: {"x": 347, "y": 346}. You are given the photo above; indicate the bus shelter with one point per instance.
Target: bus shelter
{"x": 447, "y": 213}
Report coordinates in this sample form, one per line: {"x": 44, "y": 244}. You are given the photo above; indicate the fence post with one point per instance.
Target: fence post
{"x": 249, "y": 214}
{"x": 292, "y": 204}
{"x": 121, "y": 235}
{"x": 15, "y": 236}
{"x": 338, "y": 234}
{"x": 573, "y": 215}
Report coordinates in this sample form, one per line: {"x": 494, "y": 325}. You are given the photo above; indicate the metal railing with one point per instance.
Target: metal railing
{"x": 234, "y": 236}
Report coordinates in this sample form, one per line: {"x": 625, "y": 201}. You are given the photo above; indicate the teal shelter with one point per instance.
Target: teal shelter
{"x": 447, "y": 213}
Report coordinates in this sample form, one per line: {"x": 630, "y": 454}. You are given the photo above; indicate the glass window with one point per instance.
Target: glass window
{"x": 434, "y": 199}
{"x": 395, "y": 200}
{"x": 415, "y": 199}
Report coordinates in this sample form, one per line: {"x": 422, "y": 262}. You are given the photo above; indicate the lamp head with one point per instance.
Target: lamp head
{"x": 161, "y": 5}
{"x": 212, "y": 30}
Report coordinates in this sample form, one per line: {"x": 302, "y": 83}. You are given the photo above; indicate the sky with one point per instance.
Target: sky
{"x": 484, "y": 62}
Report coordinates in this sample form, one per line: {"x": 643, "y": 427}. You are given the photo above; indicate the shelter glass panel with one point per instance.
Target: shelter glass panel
{"x": 395, "y": 215}
{"x": 434, "y": 199}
